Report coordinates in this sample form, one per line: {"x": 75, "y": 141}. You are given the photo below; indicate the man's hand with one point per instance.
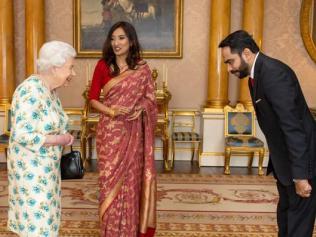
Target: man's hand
{"x": 303, "y": 188}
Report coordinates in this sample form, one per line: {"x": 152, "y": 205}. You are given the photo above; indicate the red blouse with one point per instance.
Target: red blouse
{"x": 101, "y": 76}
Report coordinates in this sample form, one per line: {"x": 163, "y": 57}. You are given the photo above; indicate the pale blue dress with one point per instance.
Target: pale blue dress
{"x": 34, "y": 169}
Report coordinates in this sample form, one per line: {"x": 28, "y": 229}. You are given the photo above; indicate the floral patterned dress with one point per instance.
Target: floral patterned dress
{"x": 34, "y": 169}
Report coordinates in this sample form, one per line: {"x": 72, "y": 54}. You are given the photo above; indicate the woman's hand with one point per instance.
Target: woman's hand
{"x": 70, "y": 138}
{"x": 62, "y": 139}
{"x": 65, "y": 139}
{"x": 118, "y": 110}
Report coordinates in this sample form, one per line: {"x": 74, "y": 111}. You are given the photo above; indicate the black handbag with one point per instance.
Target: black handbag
{"x": 71, "y": 165}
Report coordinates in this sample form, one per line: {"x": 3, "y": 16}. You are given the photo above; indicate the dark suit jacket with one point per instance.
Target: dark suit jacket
{"x": 285, "y": 120}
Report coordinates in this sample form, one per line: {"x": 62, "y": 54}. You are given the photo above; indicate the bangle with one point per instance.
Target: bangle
{"x": 112, "y": 112}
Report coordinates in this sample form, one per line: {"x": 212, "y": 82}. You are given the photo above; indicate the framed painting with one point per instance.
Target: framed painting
{"x": 158, "y": 23}
{"x": 308, "y": 26}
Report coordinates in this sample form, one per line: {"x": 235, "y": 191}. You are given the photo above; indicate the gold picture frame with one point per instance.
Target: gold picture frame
{"x": 159, "y": 25}
{"x": 308, "y": 26}
{"x": 7, "y": 118}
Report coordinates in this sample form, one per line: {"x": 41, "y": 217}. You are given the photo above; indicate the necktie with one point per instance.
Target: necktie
{"x": 252, "y": 81}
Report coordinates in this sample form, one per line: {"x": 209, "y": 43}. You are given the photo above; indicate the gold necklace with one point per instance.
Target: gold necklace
{"x": 121, "y": 67}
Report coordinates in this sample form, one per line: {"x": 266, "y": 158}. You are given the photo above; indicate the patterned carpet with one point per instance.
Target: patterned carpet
{"x": 188, "y": 205}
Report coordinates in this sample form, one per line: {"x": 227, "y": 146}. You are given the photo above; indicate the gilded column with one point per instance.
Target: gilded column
{"x": 253, "y": 23}
{"x": 217, "y": 93}
{"x": 7, "y": 78}
{"x": 34, "y": 32}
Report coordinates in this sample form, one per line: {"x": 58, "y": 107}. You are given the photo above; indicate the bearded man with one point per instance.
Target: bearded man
{"x": 289, "y": 128}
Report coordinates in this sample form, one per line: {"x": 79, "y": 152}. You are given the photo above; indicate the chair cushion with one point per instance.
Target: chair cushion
{"x": 243, "y": 141}
{"x": 185, "y": 136}
{"x": 239, "y": 123}
{"x": 4, "y": 139}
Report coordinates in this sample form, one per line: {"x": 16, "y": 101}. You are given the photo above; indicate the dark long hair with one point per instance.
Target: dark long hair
{"x": 134, "y": 53}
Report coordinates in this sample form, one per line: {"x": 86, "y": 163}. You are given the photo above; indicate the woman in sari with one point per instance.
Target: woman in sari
{"x": 125, "y": 136}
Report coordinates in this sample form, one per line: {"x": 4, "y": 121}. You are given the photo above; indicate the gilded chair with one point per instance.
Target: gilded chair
{"x": 75, "y": 124}
{"x": 240, "y": 136}
{"x": 90, "y": 119}
{"x": 163, "y": 97}
{"x": 183, "y": 131}
{"x": 4, "y": 138}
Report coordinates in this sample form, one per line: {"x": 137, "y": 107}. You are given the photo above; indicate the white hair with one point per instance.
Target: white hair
{"x": 54, "y": 53}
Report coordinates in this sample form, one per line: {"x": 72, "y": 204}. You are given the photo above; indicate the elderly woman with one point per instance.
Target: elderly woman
{"x": 37, "y": 137}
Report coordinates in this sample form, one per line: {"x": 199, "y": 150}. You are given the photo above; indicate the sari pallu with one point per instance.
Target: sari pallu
{"x": 127, "y": 176}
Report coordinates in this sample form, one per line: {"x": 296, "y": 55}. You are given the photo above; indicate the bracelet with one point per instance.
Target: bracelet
{"x": 112, "y": 113}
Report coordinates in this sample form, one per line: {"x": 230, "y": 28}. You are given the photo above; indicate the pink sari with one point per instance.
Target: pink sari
{"x": 125, "y": 150}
